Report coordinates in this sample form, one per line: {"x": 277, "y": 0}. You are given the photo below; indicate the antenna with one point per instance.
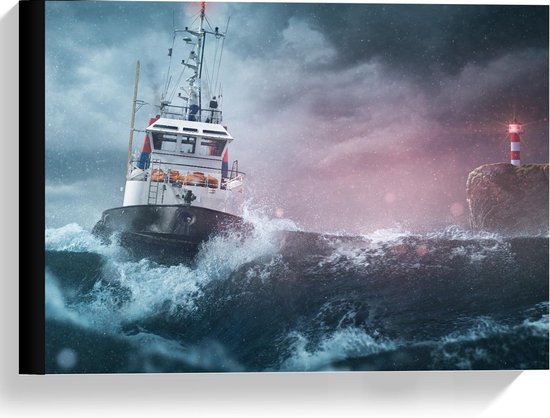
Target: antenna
{"x": 221, "y": 55}
{"x": 134, "y": 102}
{"x": 202, "y": 41}
{"x": 195, "y": 62}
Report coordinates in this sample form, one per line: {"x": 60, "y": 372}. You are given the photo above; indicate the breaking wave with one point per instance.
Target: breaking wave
{"x": 283, "y": 299}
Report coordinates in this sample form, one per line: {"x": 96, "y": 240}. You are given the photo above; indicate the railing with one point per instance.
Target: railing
{"x": 233, "y": 182}
{"x": 235, "y": 179}
{"x": 191, "y": 113}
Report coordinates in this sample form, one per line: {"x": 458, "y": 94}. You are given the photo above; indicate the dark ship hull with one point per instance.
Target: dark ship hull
{"x": 164, "y": 232}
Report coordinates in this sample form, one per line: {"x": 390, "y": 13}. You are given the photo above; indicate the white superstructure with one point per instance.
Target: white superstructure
{"x": 184, "y": 159}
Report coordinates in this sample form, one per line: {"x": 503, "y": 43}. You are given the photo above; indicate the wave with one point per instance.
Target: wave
{"x": 490, "y": 344}
{"x": 350, "y": 342}
{"x": 484, "y": 344}
{"x": 156, "y": 354}
{"x": 279, "y": 298}
{"x": 55, "y": 303}
{"x": 74, "y": 238}
{"x": 129, "y": 290}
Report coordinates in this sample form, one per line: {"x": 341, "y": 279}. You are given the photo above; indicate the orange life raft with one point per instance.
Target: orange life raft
{"x": 174, "y": 176}
{"x": 212, "y": 182}
{"x": 197, "y": 178}
{"x": 157, "y": 175}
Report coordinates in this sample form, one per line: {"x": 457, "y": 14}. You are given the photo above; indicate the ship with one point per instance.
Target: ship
{"x": 179, "y": 190}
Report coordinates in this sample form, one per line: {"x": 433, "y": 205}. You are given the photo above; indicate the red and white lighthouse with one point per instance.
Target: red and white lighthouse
{"x": 514, "y": 129}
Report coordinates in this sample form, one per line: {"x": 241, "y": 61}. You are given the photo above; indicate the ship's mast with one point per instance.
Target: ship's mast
{"x": 202, "y": 41}
{"x": 195, "y": 62}
{"x": 132, "y": 122}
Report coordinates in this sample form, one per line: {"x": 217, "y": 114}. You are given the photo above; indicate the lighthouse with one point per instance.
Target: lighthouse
{"x": 514, "y": 129}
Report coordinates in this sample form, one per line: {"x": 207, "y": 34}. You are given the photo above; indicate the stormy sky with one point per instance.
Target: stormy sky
{"x": 347, "y": 118}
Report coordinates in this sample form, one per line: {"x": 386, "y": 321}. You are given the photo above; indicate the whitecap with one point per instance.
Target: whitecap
{"x": 346, "y": 343}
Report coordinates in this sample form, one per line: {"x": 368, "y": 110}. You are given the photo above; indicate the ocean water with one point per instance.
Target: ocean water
{"x": 280, "y": 299}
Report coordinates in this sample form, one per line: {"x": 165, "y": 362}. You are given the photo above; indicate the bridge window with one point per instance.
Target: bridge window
{"x": 164, "y": 142}
{"x": 188, "y": 144}
{"x": 169, "y": 143}
{"x": 211, "y": 147}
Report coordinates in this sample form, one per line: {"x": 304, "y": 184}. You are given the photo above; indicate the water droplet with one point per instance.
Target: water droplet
{"x": 66, "y": 358}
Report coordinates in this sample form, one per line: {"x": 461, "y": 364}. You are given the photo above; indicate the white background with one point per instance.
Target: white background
{"x": 423, "y": 394}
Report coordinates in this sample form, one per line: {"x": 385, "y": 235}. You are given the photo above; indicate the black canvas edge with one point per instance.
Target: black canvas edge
{"x": 32, "y": 165}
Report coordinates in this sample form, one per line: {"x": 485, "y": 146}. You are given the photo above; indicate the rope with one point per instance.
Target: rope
{"x": 207, "y": 86}
{"x": 196, "y": 17}
{"x": 176, "y": 84}
{"x": 214, "y": 64}
{"x": 221, "y": 54}
{"x": 168, "y": 78}
{"x": 219, "y": 66}
{"x": 207, "y": 21}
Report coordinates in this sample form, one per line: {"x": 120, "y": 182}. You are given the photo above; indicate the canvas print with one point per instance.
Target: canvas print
{"x": 274, "y": 187}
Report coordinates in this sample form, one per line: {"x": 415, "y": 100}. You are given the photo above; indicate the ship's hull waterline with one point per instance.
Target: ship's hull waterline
{"x": 164, "y": 231}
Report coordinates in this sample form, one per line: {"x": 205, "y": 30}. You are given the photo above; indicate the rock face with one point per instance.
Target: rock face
{"x": 508, "y": 199}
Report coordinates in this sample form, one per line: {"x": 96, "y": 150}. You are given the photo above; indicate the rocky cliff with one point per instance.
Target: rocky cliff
{"x": 508, "y": 199}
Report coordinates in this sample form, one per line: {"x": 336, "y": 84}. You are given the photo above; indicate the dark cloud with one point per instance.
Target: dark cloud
{"x": 416, "y": 39}
{"x": 349, "y": 117}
